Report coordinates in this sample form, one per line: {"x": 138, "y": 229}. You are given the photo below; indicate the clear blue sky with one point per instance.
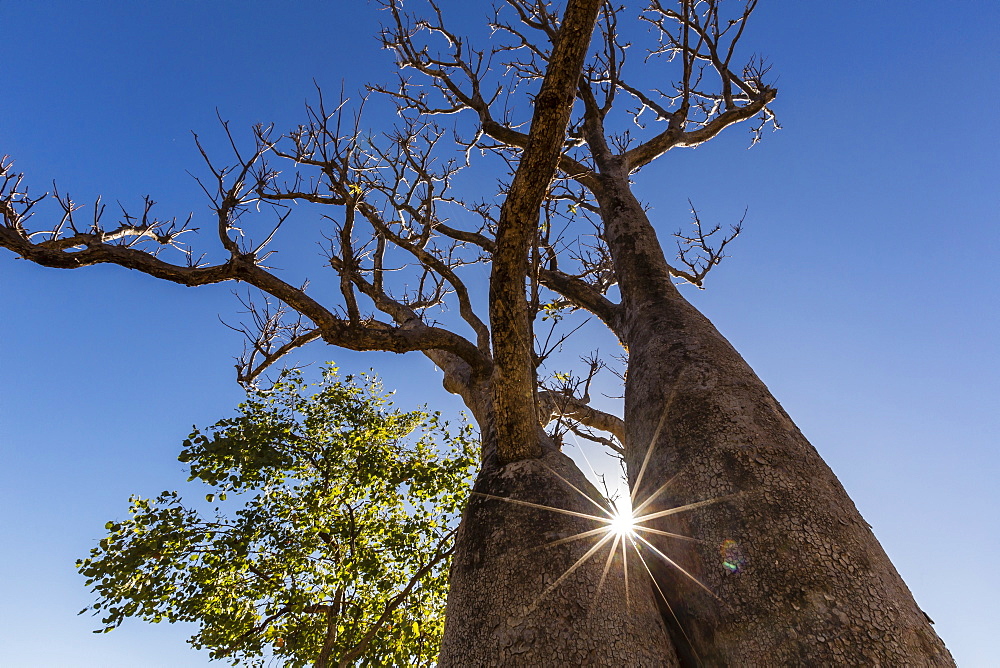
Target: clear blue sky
{"x": 864, "y": 290}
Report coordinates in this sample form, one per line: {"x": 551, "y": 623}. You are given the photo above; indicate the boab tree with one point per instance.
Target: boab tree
{"x": 782, "y": 568}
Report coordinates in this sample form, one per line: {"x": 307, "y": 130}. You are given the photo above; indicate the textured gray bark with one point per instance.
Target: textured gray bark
{"x": 497, "y": 613}
{"x": 800, "y": 577}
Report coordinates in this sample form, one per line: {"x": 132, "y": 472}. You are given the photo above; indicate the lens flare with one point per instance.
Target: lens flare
{"x": 733, "y": 559}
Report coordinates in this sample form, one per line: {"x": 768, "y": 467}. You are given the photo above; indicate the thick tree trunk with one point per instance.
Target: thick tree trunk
{"x": 507, "y": 605}
{"x": 799, "y": 576}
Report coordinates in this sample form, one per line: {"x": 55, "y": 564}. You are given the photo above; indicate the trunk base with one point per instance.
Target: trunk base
{"x": 516, "y": 599}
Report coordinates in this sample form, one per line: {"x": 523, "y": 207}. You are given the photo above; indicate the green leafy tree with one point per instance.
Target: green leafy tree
{"x": 328, "y": 539}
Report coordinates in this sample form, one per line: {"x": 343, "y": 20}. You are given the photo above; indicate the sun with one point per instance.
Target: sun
{"x": 622, "y": 522}
{"x": 622, "y": 528}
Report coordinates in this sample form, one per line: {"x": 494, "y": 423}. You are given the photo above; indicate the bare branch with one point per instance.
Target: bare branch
{"x": 613, "y": 444}
{"x": 270, "y": 335}
{"x": 562, "y": 405}
{"x": 674, "y": 136}
{"x": 697, "y": 253}
{"x": 568, "y": 404}
{"x": 458, "y": 74}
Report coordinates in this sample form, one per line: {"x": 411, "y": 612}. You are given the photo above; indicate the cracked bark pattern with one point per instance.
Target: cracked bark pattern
{"x": 801, "y": 578}
{"x": 502, "y": 567}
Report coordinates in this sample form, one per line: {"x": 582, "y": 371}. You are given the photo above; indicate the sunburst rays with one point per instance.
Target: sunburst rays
{"x": 621, "y": 529}
{"x": 621, "y": 526}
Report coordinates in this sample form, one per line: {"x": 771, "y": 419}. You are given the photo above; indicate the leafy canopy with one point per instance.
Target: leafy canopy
{"x": 327, "y": 536}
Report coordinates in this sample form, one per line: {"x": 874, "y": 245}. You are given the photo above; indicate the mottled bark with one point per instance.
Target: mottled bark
{"x": 799, "y": 575}
{"x": 514, "y": 381}
{"x": 506, "y": 608}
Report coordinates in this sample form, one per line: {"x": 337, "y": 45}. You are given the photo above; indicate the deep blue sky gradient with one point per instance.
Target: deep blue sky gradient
{"x": 864, "y": 290}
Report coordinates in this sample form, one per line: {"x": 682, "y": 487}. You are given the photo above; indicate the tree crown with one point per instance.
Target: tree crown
{"x": 327, "y": 535}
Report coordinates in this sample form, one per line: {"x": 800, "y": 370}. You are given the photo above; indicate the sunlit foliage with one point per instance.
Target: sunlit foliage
{"x": 326, "y": 536}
